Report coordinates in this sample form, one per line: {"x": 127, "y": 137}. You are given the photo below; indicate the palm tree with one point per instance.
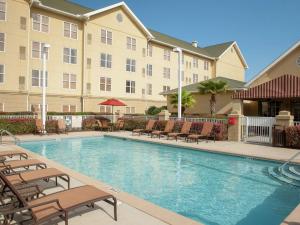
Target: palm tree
{"x": 187, "y": 100}
{"x": 213, "y": 87}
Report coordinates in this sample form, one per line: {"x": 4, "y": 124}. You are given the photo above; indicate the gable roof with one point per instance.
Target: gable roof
{"x": 218, "y": 49}
{"x": 193, "y": 88}
{"x": 281, "y": 57}
{"x": 67, "y": 6}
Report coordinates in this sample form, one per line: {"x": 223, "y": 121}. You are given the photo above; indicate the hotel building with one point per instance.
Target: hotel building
{"x": 95, "y": 55}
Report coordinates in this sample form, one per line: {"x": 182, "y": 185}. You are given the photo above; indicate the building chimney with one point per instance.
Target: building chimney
{"x": 195, "y": 44}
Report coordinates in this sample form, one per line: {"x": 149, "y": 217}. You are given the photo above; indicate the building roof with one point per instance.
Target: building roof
{"x": 218, "y": 49}
{"x": 66, "y": 6}
{"x": 193, "y": 88}
{"x": 281, "y": 57}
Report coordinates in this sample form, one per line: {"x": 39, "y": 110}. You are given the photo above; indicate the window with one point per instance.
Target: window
{"x": 70, "y": 30}
{"x": 70, "y": 55}
{"x": 130, "y": 86}
{"x": 166, "y": 88}
{"x": 130, "y": 110}
{"x": 89, "y": 39}
{"x": 106, "y": 37}
{"x": 166, "y": 73}
{"x": 22, "y": 52}
{"x": 105, "y": 60}
{"x": 37, "y": 107}
{"x": 206, "y": 77}
{"x": 149, "y": 69}
{"x": 105, "y": 84}
{"x": 298, "y": 61}
{"x": 69, "y": 108}
{"x": 167, "y": 54}
{"x": 40, "y": 23}
{"x": 195, "y": 62}
{"x": 69, "y": 81}
{"x": 37, "y": 78}
{"x": 88, "y": 63}
{"x": 37, "y": 50}
{"x": 23, "y": 23}
{"x": 105, "y": 109}
{"x": 195, "y": 78}
{"x": 130, "y": 65}
{"x": 149, "y": 50}
{"x": 2, "y": 71}
{"x": 206, "y": 65}
{"x": 2, "y": 42}
{"x": 131, "y": 43}
{"x": 182, "y": 75}
{"x": 149, "y": 89}
{"x": 2, "y": 9}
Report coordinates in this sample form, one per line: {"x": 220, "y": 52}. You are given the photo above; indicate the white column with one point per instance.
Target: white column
{"x": 179, "y": 50}
{"x": 44, "y": 88}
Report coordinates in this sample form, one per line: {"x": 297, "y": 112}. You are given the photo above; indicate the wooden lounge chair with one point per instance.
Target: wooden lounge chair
{"x": 38, "y": 126}
{"x": 148, "y": 129}
{"x": 58, "y": 204}
{"x": 119, "y": 125}
{"x": 35, "y": 175}
{"x": 205, "y": 132}
{"x": 185, "y": 130}
{"x": 61, "y": 126}
{"x": 10, "y": 154}
{"x": 9, "y": 166}
{"x": 168, "y": 129}
{"x": 103, "y": 125}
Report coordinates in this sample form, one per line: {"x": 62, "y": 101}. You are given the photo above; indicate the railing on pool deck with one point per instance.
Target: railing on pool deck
{"x": 201, "y": 119}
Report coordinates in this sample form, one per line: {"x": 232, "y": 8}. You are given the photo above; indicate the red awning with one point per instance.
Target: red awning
{"x": 286, "y": 86}
{"x": 112, "y": 102}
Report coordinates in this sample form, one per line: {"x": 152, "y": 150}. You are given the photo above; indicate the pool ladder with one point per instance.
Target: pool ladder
{"x": 2, "y": 132}
{"x": 280, "y": 168}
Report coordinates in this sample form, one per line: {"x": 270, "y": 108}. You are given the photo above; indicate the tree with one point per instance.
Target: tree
{"x": 213, "y": 87}
{"x": 187, "y": 100}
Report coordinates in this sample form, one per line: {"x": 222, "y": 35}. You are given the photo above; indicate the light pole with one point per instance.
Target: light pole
{"x": 45, "y": 50}
{"x": 179, "y": 50}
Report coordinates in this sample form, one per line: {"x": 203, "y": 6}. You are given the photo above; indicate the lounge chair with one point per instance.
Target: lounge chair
{"x": 168, "y": 129}
{"x": 148, "y": 129}
{"x": 38, "y": 126}
{"x": 103, "y": 125}
{"x": 9, "y": 166}
{"x": 185, "y": 131}
{"x": 58, "y": 204}
{"x": 13, "y": 153}
{"x": 119, "y": 125}
{"x": 61, "y": 126}
{"x": 205, "y": 132}
{"x": 35, "y": 175}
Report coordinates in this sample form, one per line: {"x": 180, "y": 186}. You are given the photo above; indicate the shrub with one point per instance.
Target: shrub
{"x": 18, "y": 126}
{"x": 153, "y": 110}
{"x": 131, "y": 124}
{"x": 17, "y": 113}
{"x": 293, "y": 137}
{"x": 51, "y": 126}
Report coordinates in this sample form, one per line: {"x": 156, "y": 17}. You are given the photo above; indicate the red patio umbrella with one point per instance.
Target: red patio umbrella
{"x": 112, "y": 102}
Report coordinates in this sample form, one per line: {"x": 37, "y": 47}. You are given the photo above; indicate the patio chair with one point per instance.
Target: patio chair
{"x": 148, "y": 129}
{"x": 61, "y": 126}
{"x": 168, "y": 129}
{"x": 36, "y": 175}
{"x": 38, "y": 126}
{"x": 185, "y": 131}
{"x": 13, "y": 153}
{"x": 57, "y": 204}
{"x": 119, "y": 125}
{"x": 205, "y": 132}
{"x": 10, "y": 166}
{"x": 103, "y": 125}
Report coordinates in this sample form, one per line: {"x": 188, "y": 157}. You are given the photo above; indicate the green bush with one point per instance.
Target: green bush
{"x": 131, "y": 124}
{"x": 153, "y": 110}
{"x": 18, "y": 126}
{"x": 293, "y": 137}
{"x": 17, "y": 113}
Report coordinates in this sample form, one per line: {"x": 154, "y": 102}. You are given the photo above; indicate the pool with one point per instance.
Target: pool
{"x": 210, "y": 188}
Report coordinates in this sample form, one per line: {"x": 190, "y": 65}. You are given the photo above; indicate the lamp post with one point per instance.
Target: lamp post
{"x": 179, "y": 50}
{"x": 44, "y": 53}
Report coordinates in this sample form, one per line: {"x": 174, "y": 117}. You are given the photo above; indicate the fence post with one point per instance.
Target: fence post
{"x": 235, "y": 128}
{"x": 284, "y": 119}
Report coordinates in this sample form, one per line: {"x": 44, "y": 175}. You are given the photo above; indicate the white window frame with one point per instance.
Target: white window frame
{"x": 206, "y": 65}
{"x": 40, "y": 50}
{"x": 107, "y": 60}
{"x": 38, "y": 105}
{"x": 167, "y": 54}
{"x": 107, "y": 83}
{"x": 149, "y": 69}
{"x": 107, "y": 109}
{"x": 70, "y": 81}
{"x": 70, "y": 25}
{"x": 167, "y": 72}
{"x": 2, "y": 74}
{"x": 105, "y": 39}
{"x": 3, "y": 42}
{"x": 130, "y": 65}
{"x": 69, "y": 55}
{"x": 149, "y": 50}
{"x": 195, "y": 78}
{"x": 131, "y": 43}
{"x": 195, "y": 62}
{"x": 149, "y": 89}
{"x": 5, "y": 10}
{"x": 166, "y": 88}
{"x": 131, "y": 86}
{"x": 130, "y": 110}
{"x": 41, "y": 23}
{"x": 39, "y": 78}
{"x": 69, "y": 107}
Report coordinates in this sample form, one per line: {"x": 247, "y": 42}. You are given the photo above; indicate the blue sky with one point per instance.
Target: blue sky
{"x": 263, "y": 29}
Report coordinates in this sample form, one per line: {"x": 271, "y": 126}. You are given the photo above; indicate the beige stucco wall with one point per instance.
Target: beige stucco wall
{"x": 230, "y": 65}
{"x": 201, "y": 106}
{"x": 285, "y": 66}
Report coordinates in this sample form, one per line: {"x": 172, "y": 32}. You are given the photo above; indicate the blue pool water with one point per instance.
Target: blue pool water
{"x": 210, "y": 188}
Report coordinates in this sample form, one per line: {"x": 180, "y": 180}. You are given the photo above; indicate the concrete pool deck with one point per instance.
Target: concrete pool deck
{"x": 136, "y": 211}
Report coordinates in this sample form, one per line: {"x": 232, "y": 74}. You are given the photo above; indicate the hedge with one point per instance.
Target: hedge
{"x": 18, "y": 126}
{"x": 293, "y": 137}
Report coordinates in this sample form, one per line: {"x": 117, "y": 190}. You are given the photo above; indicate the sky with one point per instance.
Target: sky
{"x": 263, "y": 29}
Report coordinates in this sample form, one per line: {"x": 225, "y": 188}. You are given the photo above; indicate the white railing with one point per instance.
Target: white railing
{"x": 18, "y": 116}
{"x": 200, "y": 119}
{"x": 296, "y": 123}
{"x": 257, "y": 129}
{"x": 142, "y": 117}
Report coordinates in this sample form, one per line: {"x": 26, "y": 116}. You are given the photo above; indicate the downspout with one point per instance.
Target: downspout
{"x": 83, "y": 66}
